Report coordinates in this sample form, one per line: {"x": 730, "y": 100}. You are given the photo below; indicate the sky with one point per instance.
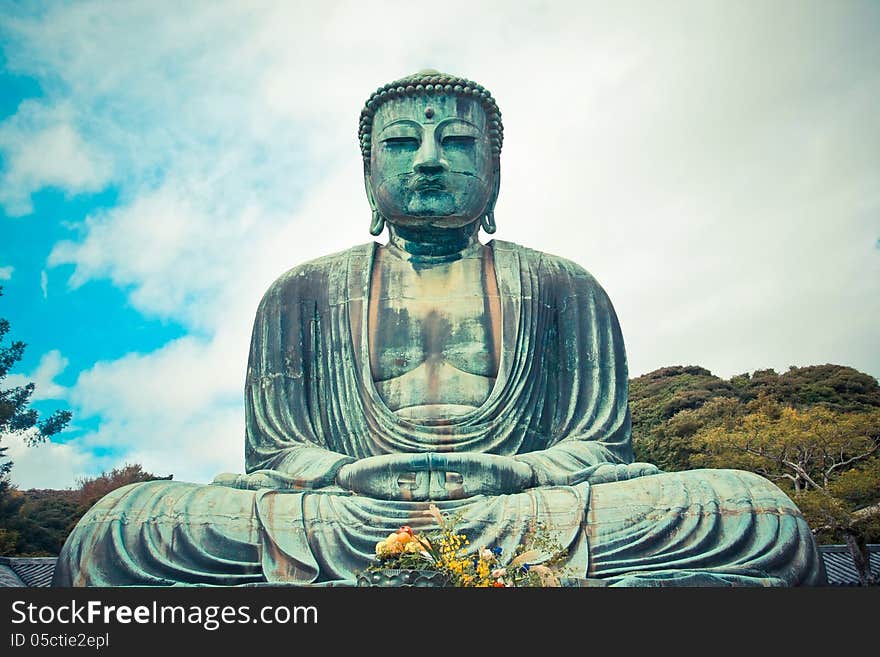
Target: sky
{"x": 715, "y": 165}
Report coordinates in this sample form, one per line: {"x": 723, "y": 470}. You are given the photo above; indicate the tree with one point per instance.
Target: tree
{"x": 827, "y": 460}
{"x": 670, "y": 445}
{"x": 93, "y": 489}
{"x": 38, "y": 521}
{"x": 16, "y": 417}
{"x": 43, "y": 520}
{"x": 658, "y": 397}
{"x": 837, "y": 387}
{"x": 671, "y": 404}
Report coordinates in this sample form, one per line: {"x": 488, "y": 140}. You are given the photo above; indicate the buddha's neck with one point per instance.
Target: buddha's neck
{"x": 429, "y": 245}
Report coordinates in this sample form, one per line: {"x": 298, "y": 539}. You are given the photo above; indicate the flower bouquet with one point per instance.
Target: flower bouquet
{"x": 443, "y": 558}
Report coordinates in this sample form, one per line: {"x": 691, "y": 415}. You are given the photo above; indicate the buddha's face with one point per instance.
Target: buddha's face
{"x": 431, "y": 162}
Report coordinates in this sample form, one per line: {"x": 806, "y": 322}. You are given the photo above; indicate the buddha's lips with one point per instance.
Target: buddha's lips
{"x": 428, "y": 184}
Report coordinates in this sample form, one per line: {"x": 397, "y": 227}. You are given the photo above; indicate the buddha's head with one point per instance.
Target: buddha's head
{"x": 431, "y": 145}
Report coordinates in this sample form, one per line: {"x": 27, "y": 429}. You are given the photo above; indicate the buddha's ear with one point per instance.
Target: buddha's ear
{"x": 496, "y": 185}
{"x": 377, "y": 225}
{"x": 487, "y": 221}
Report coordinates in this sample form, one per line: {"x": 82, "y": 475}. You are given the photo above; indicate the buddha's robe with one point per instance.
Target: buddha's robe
{"x": 559, "y": 403}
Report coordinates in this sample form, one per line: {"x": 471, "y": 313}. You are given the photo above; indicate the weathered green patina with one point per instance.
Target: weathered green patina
{"x": 489, "y": 379}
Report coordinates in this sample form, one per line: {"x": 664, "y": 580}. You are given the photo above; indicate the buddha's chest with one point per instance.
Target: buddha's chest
{"x": 434, "y": 332}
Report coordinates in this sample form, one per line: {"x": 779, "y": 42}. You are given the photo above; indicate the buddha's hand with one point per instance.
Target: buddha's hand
{"x": 388, "y": 476}
{"x": 457, "y": 475}
{"x": 608, "y": 472}
{"x": 433, "y": 476}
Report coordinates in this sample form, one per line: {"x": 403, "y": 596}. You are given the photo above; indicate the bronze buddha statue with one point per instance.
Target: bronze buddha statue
{"x": 488, "y": 379}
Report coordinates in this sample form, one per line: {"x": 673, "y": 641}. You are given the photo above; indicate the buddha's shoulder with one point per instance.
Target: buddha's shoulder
{"x": 315, "y": 274}
{"x": 549, "y": 268}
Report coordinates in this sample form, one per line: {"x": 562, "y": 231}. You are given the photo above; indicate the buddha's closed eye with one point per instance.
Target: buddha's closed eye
{"x": 458, "y": 141}
{"x": 401, "y": 143}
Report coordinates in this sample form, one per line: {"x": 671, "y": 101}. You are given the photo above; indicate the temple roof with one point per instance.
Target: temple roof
{"x": 839, "y": 566}
{"x": 26, "y": 571}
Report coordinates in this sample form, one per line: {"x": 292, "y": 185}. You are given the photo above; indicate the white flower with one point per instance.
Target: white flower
{"x": 487, "y": 555}
{"x": 498, "y": 573}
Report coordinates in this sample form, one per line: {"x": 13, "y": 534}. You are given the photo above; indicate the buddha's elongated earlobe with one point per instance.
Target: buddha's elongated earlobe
{"x": 378, "y": 224}
{"x": 488, "y": 222}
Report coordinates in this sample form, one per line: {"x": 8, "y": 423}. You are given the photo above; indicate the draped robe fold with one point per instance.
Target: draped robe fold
{"x": 559, "y": 403}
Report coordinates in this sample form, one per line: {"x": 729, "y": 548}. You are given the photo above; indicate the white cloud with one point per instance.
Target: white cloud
{"x": 178, "y": 408}
{"x": 6, "y": 273}
{"x": 168, "y": 245}
{"x": 147, "y": 386}
{"x": 43, "y": 148}
{"x": 51, "y": 364}
{"x": 194, "y": 448}
{"x": 48, "y": 465}
{"x": 716, "y": 168}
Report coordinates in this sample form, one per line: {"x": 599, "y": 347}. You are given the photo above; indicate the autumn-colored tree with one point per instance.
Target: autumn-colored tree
{"x": 827, "y": 460}
{"x": 39, "y": 521}
{"x": 91, "y": 489}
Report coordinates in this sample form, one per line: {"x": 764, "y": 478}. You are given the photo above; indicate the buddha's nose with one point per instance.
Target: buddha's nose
{"x": 429, "y": 160}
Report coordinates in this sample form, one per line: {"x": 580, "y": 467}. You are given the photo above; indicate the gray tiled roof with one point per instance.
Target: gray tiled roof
{"x": 840, "y": 568}
{"x": 30, "y": 571}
